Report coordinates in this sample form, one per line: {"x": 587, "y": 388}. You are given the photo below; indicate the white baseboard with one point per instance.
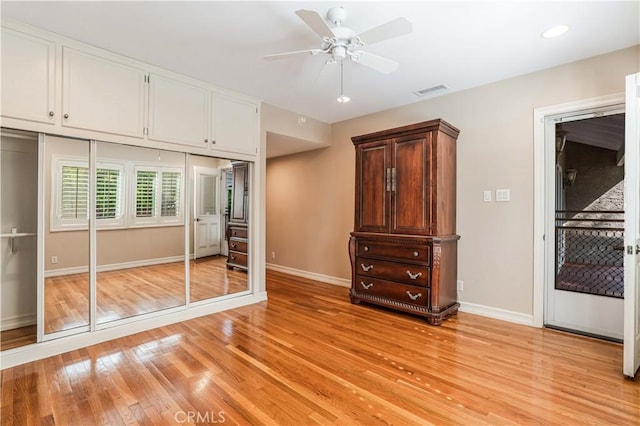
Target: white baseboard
{"x": 112, "y": 267}
{"x": 18, "y": 321}
{"x": 310, "y": 275}
{"x": 497, "y": 313}
{"x": 36, "y": 351}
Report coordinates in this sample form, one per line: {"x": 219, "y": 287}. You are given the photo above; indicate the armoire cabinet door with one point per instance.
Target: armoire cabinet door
{"x": 102, "y": 95}
{"x": 373, "y": 186}
{"x": 28, "y": 77}
{"x": 239, "y": 211}
{"x": 178, "y": 112}
{"x": 234, "y": 125}
{"x": 411, "y": 177}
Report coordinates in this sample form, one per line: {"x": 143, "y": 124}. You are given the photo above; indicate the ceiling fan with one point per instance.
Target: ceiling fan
{"x": 341, "y": 42}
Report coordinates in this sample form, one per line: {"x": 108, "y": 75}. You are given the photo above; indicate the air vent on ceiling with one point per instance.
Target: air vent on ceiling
{"x": 430, "y": 90}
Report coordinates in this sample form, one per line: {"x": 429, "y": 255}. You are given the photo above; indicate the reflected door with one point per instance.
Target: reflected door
{"x": 207, "y": 224}
{"x": 18, "y": 229}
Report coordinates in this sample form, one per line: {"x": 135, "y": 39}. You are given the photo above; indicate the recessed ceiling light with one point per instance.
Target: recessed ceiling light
{"x": 555, "y": 31}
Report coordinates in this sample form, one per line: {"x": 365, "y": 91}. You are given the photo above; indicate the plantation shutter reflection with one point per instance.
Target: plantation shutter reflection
{"x": 145, "y": 193}
{"x": 74, "y": 200}
{"x": 107, "y": 190}
{"x": 170, "y": 197}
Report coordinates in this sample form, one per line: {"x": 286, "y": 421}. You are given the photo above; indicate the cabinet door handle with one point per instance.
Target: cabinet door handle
{"x": 366, "y": 268}
{"x": 366, "y": 286}
{"x": 412, "y": 297}
{"x": 414, "y": 276}
{"x": 66, "y": 116}
{"x": 51, "y": 113}
{"x": 393, "y": 179}
{"x": 387, "y": 178}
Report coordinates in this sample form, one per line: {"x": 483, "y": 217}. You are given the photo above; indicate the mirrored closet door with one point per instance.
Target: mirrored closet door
{"x": 66, "y": 235}
{"x": 140, "y": 232}
{"x": 211, "y": 197}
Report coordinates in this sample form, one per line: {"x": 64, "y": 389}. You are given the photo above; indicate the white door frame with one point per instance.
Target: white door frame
{"x": 631, "y": 349}
{"x": 541, "y": 182}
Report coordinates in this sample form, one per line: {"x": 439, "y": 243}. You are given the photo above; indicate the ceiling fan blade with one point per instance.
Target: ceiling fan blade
{"x": 315, "y": 22}
{"x": 378, "y": 63}
{"x": 391, "y": 29}
{"x": 286, "y": 55}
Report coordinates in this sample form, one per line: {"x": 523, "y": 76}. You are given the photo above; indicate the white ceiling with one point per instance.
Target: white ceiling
{"x": 459, "y": 44}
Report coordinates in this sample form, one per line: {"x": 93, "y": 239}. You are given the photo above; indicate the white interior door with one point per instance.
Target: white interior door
{"x": 207, "y": 228}
{"x": 631, "y": 357}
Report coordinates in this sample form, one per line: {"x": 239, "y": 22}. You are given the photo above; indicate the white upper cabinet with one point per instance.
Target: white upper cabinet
{"x": 28, "y": 77}
{"x": 178, "y": 112}
{"x": 101, "y": 94}
{"x": 234, "y": 125}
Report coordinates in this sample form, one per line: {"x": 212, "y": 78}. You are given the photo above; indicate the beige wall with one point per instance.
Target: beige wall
{"x": 309, "y": 208}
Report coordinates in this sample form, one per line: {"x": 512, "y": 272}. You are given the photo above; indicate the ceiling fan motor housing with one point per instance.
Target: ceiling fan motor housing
{"x": 336, "y": 15}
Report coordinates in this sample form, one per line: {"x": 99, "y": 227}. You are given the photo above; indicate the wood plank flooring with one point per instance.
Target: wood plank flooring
{"x": 307, "y": 356}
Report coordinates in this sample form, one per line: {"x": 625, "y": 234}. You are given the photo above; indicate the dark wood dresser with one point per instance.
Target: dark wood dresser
{"x": 237, "y": 228}
{"x": 403, "y": 250}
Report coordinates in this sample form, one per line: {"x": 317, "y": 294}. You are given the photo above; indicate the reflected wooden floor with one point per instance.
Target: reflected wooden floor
{"x": 17, "y": 337}
{"x": 135, "y": 291}
{"x": 307, "y": 356}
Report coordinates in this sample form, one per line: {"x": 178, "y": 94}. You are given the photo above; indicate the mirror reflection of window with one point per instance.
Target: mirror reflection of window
{"x": 209, "y": 275}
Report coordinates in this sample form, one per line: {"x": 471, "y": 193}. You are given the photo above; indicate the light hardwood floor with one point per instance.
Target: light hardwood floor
{"x": 307, "y": 356}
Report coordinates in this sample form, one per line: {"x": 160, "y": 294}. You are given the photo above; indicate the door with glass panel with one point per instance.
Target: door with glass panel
{"x": 207, "y": 235}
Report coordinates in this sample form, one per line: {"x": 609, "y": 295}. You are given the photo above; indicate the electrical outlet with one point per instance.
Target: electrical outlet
{"x": 273, "y": 254}
{"x": 486, "y": 196}
{"x": 460, "y": 285}
{"x": 503, "y": 195}
{"x": 54, "y": 259}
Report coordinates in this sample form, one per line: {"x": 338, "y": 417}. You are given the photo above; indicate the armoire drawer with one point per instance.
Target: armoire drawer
{"x": 418, "y": 253}
{"x": 394, "y": 271}
{"x": 400, "y": 292}
{"x": 237, "y": 232}
{"x": 238, "y": 245}
{"x": 237, "y": 258}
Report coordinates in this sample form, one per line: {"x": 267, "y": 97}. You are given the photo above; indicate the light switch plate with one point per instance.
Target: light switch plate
{"x": 486, "y": 196}
{"x": 503, "y": 195}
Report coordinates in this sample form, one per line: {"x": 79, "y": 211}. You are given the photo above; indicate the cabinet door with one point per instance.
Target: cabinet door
{"x": 412, "y": 178}
{"x": 373, "y": 187}
{"x": 28, "y": 77}
{"x": 240, "y": 193}
{"x": 235, "y": 124}
{"x": 178, "y": 112}
{"x": 102, "y": 95}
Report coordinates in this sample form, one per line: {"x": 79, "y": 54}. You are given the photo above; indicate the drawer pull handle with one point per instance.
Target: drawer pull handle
{"x": 366, "y": 286}
{"x": 233, "y": 245}
{"x": 414, "y": 276}
{"x": 233, "y": 257}
{"x": 412, "y": 297}
{"x": 366, "y": 268}
{"x": 416, "y": 254}
{"x": 366, "y": 248}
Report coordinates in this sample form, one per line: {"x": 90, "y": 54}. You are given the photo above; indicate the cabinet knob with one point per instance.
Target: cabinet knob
{"x": 51, "y": 113}
{"x": 206, "y": 141}
{"x": 213, "y": 141}
{"x": 416, "y": 254}
{"x": 66, "y": 116}
{"x": 366, "y": 248}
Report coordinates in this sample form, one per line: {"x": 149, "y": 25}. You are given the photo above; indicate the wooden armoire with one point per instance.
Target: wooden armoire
{"x": 403, "y": 249}
{"x": 237, "y": 227}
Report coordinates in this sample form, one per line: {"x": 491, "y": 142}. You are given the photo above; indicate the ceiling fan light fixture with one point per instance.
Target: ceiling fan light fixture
{"x": 343, "y": 99}
{"x": 555, "y": 31}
